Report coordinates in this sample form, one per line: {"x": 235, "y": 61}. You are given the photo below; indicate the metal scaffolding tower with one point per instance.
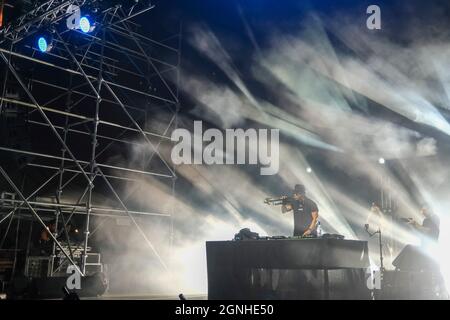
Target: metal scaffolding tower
{"x": 104, "y": 86}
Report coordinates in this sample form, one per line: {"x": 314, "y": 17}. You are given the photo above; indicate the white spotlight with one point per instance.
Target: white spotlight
{"x": 381, "y": 161}
{"x": 309, "y": 170}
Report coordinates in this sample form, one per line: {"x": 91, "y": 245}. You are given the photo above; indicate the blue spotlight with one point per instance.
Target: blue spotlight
{"x": 85, "y": 24}
{"x": 43, "y": 44}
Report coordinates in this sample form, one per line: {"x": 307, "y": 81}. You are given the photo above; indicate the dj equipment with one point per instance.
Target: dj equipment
{"x": 246, "y": 234}
{"x": 277, "y": 237}
{"x": 307, "y": 269}
{"x": 333, "y": 236}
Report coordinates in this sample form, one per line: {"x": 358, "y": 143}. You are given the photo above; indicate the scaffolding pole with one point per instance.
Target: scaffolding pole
{"x": 99, "y": 77}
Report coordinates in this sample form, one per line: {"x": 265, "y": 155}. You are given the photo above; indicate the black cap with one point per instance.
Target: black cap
{"x": 300, "y": 189}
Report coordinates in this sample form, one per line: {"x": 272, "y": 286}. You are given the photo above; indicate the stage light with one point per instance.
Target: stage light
{"x": 44, "y": 44}
{"x": 381, "y": 161}
{"x": 86, "y": 25}
{"x": 309, "y": 170}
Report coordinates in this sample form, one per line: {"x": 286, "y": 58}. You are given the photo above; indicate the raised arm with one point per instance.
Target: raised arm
{"x": 419, "y": 227}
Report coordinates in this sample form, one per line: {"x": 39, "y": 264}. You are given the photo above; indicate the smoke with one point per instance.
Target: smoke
{"x": 340, "y": 105}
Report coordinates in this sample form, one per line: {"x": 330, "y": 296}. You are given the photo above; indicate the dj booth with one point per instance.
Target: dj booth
{"x": 288, "y": 269}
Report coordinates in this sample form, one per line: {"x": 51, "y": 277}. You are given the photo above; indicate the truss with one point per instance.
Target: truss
{"x": 43, "y": 15}
{"x": 114, "y": 67}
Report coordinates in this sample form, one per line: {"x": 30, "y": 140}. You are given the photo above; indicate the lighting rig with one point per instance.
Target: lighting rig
{"x": 97, "y": 58}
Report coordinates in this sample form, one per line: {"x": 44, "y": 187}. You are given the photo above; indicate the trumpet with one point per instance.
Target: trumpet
{"x": 277, "y": 201}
